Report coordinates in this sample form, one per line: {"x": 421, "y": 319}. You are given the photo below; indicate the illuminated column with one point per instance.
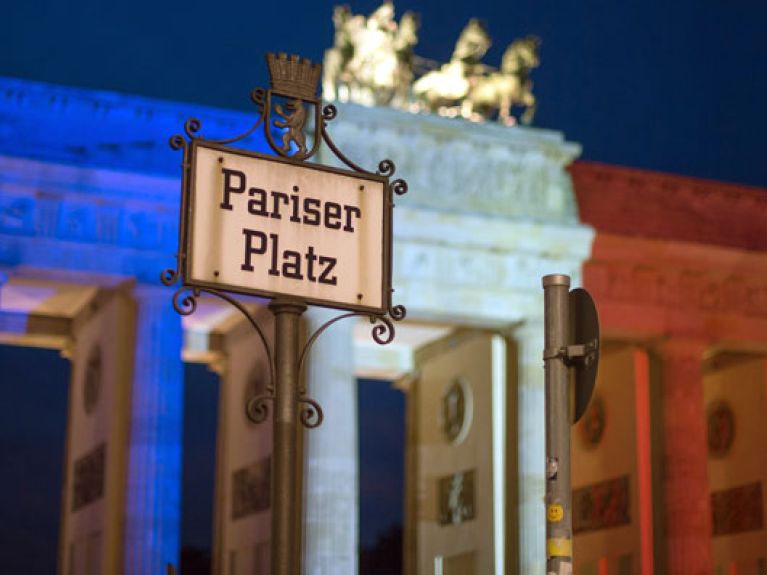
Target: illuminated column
{"x": 152, "y": 516}
{"x": 331, "y": 476}
{"x": 532, "y": 447}
{"x": 687, "y": 504}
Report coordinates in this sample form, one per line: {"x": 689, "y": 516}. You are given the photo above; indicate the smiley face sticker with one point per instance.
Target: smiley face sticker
{"x": 555, "y": 513}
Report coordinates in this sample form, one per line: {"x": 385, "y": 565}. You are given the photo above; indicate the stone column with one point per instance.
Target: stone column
{"x": 687, "y": 504}
{"x": 331, "y": 507}
{"x": 152, "y": 515}
{"x": 532, "y": 447}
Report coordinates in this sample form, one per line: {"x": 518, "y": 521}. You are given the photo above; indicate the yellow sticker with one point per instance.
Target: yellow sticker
{"x": 555, "y": 513}
{"x": 559, "y": 547}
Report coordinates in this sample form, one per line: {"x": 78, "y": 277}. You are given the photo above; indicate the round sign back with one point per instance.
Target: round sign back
{"x": 584, "y": 330}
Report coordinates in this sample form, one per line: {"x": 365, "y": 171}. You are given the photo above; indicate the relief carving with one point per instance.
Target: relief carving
{"x": 601, "y": 505}
{"x": 737, "y": 510}
{"x": 16, "y": 215}
{"x": 456, "y": 498}
{"x": 250, "y": 488}
{"x": 92, "y": 381}
{"x": 674, "y": 287}
{"x": 88, "y": 485}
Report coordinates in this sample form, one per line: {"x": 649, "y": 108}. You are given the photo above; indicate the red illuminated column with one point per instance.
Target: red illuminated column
{"x": 687, "y": 502}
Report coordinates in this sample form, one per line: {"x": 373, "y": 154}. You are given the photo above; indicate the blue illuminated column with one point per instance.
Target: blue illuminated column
{"x": 152, "y": 516}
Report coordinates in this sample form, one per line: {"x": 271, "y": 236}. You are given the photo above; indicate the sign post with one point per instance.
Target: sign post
{"x": 571, "y": 333}
{"x": 298, "y": 233}
{"x": 285, "y": 548}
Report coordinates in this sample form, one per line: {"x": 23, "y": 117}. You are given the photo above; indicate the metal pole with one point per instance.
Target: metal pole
{"x": 559, "y": 529}
{"x": 286, "y": 504}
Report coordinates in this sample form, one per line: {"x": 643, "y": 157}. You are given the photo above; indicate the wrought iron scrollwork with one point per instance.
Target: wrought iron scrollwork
{"x": 177, "y": 142}
{"x": 259, "y": 331}
{"x": 185, "y": 300}
{"x": 311, "y": 413}
{"x": 329, "y": 113}
{"x": 169, "y": 276}
{"x": 185, "y": 303}
{"x": 258, "y": 97}
{"x": 191, "y": 127}
{"x": 398, "y": 187}
{"x": 329, "y": 141}
{"x": 386, "y": 168}
{"x": 397, "y": 312}
{"x": 383, "y": 332}
{"x": 257, "y": 408}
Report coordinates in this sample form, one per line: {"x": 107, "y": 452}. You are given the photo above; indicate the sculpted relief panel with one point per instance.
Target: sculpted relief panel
{"x": 99, "y": 213}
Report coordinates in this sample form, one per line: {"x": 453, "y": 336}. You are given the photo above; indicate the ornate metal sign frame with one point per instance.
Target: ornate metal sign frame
{"x": 294, "y": 80}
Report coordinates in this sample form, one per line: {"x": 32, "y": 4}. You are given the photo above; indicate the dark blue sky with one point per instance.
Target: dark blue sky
{"x": 677, "y": 85}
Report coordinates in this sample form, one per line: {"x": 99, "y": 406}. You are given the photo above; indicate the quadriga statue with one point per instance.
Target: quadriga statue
{"x": 447, "y": 87}
{"x": 371, "y": 63}
{"x": 371, "y": 58}
{"x": 499, "y": 91}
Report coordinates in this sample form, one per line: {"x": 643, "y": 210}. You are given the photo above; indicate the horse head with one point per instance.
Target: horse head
{"x": 521, "y": 55}
{"x": 473, "y": 42}
{"x": 407, "y": 32}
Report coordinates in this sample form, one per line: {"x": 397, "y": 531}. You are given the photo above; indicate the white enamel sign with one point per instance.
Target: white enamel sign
{"x": 267, "y": 226}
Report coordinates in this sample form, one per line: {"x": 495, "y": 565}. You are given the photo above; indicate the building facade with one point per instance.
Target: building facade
{"x": 89, "y": 200}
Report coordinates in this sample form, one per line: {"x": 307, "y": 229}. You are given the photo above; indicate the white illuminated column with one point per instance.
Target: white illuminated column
{"x": 331, "y": 469}
{"x": 532, "y": 447}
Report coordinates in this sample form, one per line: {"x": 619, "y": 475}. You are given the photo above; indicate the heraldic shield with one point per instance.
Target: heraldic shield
{"x": 291, "y": 98}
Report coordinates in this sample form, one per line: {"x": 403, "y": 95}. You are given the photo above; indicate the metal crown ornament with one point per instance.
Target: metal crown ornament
{"x": 293, "y": 76}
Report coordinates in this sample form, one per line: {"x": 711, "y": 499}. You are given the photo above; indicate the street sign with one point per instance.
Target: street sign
{"x": 584, "y": 331}
{"x": 296, "y": 232}
{"x": 272, "y": 226}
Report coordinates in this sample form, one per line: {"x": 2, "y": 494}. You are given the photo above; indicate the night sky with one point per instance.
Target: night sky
{"x": 676, "y": 86}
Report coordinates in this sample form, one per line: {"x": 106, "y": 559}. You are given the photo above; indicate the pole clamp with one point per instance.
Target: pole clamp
{"x": 582, "y": 353}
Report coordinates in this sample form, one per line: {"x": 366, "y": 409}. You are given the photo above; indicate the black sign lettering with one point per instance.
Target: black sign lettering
{"x": 351, "y": 211}
{"x": 294, "y": 217}
{"x": 332, "y": 215}
{"x": 329, "y": 264}
{"x": 230, "y": 188}
{"x": 250, "y": 249}
{"x": 311, "y": 211}
{"x": 278, "y": 197}
{"x": 257, "y": 205}
{"x": 294, "y": 208}
{"x": 311, "y": 257}
{"x": 273, "y": 271}
{"x": 291, "y": 265}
